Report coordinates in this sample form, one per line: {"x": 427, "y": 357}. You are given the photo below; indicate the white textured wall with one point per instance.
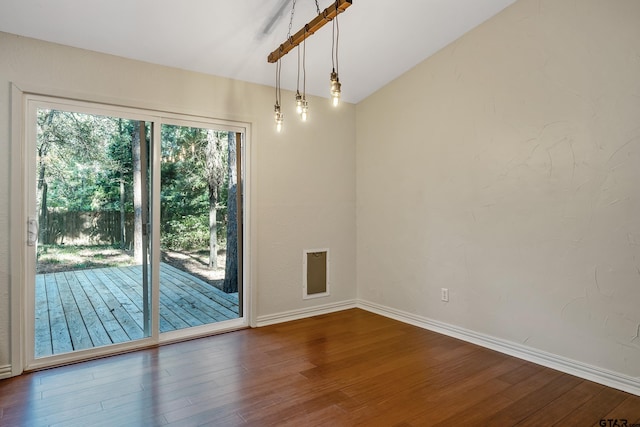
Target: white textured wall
{"x": 305, "y": 179}
{"x": 507, "y": 169}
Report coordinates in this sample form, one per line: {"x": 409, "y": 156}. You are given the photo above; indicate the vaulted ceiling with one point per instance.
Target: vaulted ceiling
{"x": 379, "y": 40}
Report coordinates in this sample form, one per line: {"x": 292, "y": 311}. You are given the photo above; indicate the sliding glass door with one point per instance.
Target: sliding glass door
{"x": 135, "y": 229}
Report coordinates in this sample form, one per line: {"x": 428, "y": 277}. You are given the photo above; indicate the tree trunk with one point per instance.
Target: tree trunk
{"x": 123, "y": 223}
{"x": 213, "y": 229}
{"x": 230, "y": 283}
{"x": 214, "y": 172}
{"x": 43, "y": 149}
{"x": 123, "y": 199}
{"x": 43, "y": 215}
{"x": 137, "y": 193}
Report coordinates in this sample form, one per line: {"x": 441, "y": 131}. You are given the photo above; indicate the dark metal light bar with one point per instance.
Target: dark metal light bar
{"x": 314, "y": 25}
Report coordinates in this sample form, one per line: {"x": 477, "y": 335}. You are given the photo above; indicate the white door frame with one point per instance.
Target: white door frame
{"x": 21, "y": 319}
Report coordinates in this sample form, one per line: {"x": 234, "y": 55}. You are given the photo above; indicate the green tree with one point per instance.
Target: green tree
{"x": 193, "y": 183}
{"x": 70, "y": 152}
{"x": 214, "y": 172}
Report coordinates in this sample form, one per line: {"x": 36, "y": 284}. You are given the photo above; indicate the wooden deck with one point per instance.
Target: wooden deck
{"x": 82, "y": 309}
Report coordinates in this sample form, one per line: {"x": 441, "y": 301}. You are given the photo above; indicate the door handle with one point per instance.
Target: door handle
{"x": 32, "y": 231}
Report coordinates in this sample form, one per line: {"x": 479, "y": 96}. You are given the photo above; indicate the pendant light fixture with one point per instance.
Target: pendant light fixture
{"x": 298, "y": 96}
{"x": 334, "y": 78}
{"x": 302, "y": 106}
{"x": 278, "y": 115}
{"x": 329, "y": 14}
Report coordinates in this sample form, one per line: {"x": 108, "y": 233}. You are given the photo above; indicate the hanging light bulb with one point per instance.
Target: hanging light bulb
{"x": 304, "y": 105}
{"x": 304, "y": 110}
{"x": 298, "y": 103}
{"x": 298, "y": 96}
{"x": 279, "y": 117}
{"x": 335, "y": 88}
{"x": 277, "y": 113}
{"x": 335, "y": 80}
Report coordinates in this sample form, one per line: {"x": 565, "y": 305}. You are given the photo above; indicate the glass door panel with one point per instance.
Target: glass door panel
{"x": 200, "y": 227}
{"x": 90, "y": 215}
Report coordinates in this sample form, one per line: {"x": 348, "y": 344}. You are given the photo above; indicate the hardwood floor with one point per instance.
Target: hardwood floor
{"x": 342, "y": 369}
{"x": 82, "y": 309}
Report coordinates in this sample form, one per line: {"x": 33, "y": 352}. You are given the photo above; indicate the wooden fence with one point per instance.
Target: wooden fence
{"x": 86, "y": 228}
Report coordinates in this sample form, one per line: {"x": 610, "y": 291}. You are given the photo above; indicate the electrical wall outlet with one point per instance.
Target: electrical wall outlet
{"x": 444, "y": 294}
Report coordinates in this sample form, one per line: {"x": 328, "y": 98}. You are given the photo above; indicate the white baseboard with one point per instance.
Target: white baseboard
{"x": 287, "y": 316}
{"x": 5, "y": 371}
{"x": 559, "y": 363}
